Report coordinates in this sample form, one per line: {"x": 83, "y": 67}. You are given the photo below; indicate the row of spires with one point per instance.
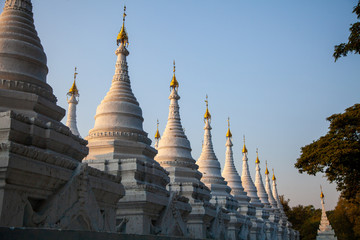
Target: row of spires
{"x": 174, "y": 84}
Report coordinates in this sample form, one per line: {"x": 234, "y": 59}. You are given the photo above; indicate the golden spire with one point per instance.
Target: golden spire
{"x": 266, "y": 170}
{"x": 73, "y": 90}
{"x": 207, "y": 114}
{"x": 244, "y": 150}
{"x": 257, "y": 161}
{"x": 321, "y": 194}
{"x": 228, "y": 133}
{"x": 122, "y": 36}
{"x": 157, "y": 134}
{"x": 174, "y": 83}
{"x": 273, "y": 178}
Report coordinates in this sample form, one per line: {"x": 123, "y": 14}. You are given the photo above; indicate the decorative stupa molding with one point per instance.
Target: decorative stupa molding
{"x": 27, "y": 87}
{"x": 22, "y": 5}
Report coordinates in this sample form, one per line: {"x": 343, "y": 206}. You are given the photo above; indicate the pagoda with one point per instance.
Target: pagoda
{"x": 233, "y": 180}
{"x": 43, "y": 183}
{"x": 271, "y": 221}
{"x": 283, "y": 232}
{"x": 119, "y": 145}
{"x": 73, "y": 100}
{"x": 174, "y": 154}
{"x": 209, "y": 166}
{"x": 325, "y": 231}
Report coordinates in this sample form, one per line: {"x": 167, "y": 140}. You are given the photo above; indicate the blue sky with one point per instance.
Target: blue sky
{"x": 266, "y": 64}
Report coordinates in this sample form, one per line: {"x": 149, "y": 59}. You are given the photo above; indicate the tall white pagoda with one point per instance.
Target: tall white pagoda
{"x": 209, "y": 166}
{"x": 325, "y": 231}
{"x": 43, "y": 183}
{"x": 73, "y": 100}
{"x": 119, "y": 145}
{"x": 233, "y": 180}
{"x": 174, "y": 154}
{"x": 269, "y": 213}
{"x": 283, "y": 232}
{"x": 258, "y": 227}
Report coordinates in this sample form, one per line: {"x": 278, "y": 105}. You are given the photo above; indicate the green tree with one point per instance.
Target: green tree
{"x": 345, "y": 219}
{"x": 353, "y": 44}
{"x": 303, "y": 219}
{"x": 337, "y": 154}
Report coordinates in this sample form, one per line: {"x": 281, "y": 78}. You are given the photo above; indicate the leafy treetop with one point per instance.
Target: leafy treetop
{"x": 337, "y": 154}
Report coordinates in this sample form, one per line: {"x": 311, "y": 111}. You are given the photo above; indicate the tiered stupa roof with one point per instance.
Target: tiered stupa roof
{"x": 119, "y": 117}
{"x": 272, "y": 200}
{"x": 261, "y": 192}
{"x": 208, "y": 163}
{"x": 118, "y": 144}
{"x": 209, "y": 166}
{"x": 23, "y": 67}
{"x": 248, "y": 183}
{"x": 174, "y": 150}
{"x": 230, "y": 173}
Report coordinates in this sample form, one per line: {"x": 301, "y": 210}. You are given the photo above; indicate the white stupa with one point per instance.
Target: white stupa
{"x": 73, "y": 100}
{"x": 119, "y": 145}
{"x": 325, "y": 231}
{"x": 233, "y": 180}
{"x": 257, "y": 229}
{"x": 231, "y": 175}
{"x": 269, "y": 215}
{"x": 174, "y": 154}
{"x": 283, "y": 222}
{"x": 271, "y": 198}
{"x": 209, "y": 166}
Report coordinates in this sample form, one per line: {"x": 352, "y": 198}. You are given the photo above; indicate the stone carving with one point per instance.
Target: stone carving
{"x": 171, "y": 221}
{"x": 73, "y": 206}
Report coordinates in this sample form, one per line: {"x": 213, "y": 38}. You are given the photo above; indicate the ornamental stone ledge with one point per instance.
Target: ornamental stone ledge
{"x": 27, "y": 87}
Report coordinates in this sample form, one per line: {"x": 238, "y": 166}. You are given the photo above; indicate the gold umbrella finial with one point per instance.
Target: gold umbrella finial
{"x": 73, "y": 90}
{"x": 157, "y": 134}
{"x": 228, "y": 133}
{"x": 174, "y": 83}
{"x": 266, "y": 170}
{"x": 122, "y": 36}
{"x": 207, "y": 115}
{"x": 257, "y": 161}
{"x": 244, "y": 150}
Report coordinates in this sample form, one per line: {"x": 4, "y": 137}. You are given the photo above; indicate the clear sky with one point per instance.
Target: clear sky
{"x": 265, "y": 64}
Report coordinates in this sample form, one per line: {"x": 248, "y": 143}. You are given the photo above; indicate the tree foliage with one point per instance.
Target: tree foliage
{"x": 344, "y": 219}
{"x": 353, "y": 44}
{"x": 337, "y": 154}
{"x": 304, "y": 219}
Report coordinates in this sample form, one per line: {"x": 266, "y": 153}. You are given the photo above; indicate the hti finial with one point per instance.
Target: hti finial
{"x": 273, "y": 178}
{"x": 257, "y": 161}
{"x": 73, "y": 90}
{"x": 124, "y": 15}
{"x": 244, "y": 150}
{"x": 157, "y": 134}
{"x": 321, "y": 194}
{"x": 228, "y": 133}
{"x": 174, "y": 83}
{"x": 266, "y": 170}
{"x": 207, "y": 115}
{"x": 122, "y": 36}
{"x": 75, "y": 73}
